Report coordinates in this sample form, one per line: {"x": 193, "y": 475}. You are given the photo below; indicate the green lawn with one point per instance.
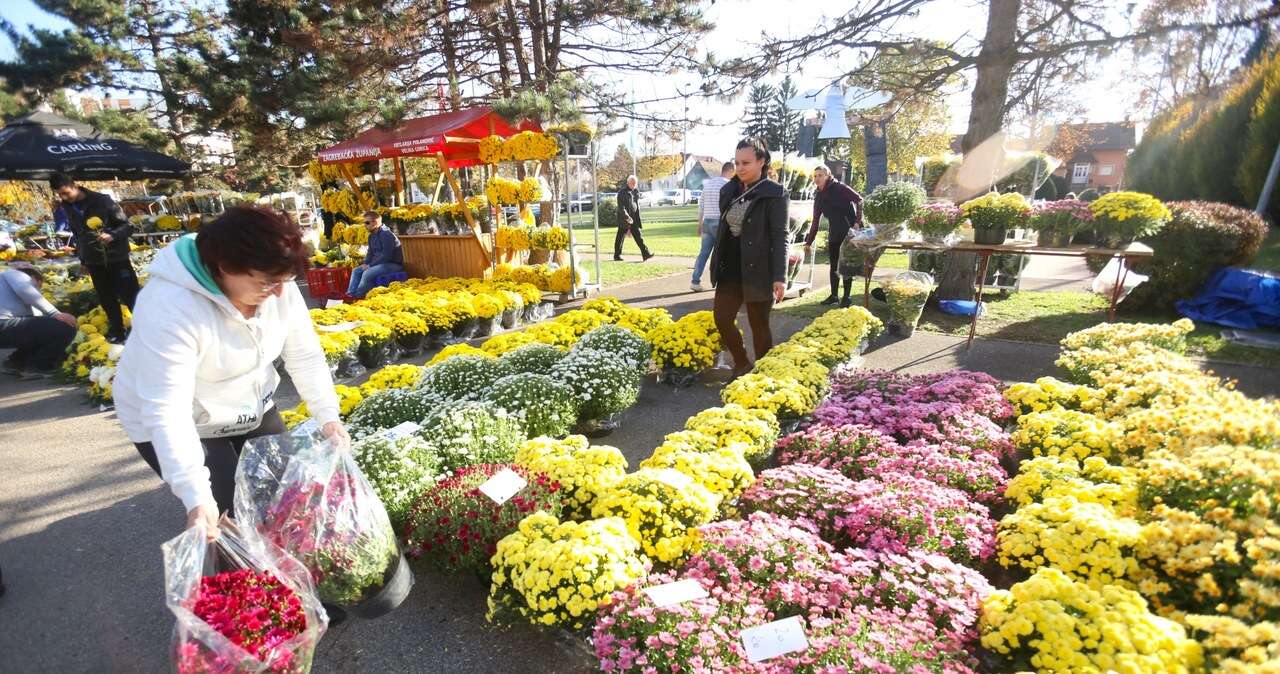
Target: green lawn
{"x": 672, "y": 231}
{"x": 617, "y": 273}
{"x": 1269, "y": 257}
{"x": 1047, "y": 317}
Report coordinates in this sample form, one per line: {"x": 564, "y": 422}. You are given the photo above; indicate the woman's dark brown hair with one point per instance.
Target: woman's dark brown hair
{"x": 761, "y": 149}
{"x": 251, "y": 238}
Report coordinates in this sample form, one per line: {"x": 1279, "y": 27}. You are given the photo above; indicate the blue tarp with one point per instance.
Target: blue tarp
{"x": 1236, "y": 298}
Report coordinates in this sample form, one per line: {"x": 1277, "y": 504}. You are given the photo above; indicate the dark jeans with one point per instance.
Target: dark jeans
{"x": 834, "y": 239}
{"x": 39, "y": 342}
{"x": 622, "y": 236}
{"x": 728, "y": 300}
{"x": 116, "y": 284}
{"x": 220, "y": 457}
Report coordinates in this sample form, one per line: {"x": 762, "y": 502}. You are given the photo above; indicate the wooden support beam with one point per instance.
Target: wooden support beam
{"x": 462, "y": 202}
{"x": 399, "y": 168}
{"x": 355, "y": 186}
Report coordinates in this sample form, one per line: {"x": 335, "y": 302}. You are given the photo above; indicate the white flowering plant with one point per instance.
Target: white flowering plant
{"x": 623, "y": 343}
{"x": 398, "y": 469}
{"x": 390, "y": 408}
{"x": 543, "y": 405}
{"x": 470, "y": 433}
{"x": 464, "y": 377}
{"x": 535, "y": 358}
{"x": 603, "y": 382}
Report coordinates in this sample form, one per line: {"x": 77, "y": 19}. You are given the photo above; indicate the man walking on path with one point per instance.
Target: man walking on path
{"x": 29, "y": 324}
{"x": 843, "y": 208}
{"x": 709, "y": 221}
{"x": 384, "y": 256}
{"x": 629, "y": 220}
{"x": 101, "y": 235}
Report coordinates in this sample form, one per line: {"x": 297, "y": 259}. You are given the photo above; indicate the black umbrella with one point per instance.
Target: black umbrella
{"x": 41, "y": 144}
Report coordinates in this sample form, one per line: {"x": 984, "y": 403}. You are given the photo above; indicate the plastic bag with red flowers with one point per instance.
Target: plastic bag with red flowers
{"x": 242, "y": 606}
{"x": 306, "y": 495}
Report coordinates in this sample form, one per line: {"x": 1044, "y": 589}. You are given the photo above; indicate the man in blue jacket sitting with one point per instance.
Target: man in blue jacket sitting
{"x": 384, "y": 256}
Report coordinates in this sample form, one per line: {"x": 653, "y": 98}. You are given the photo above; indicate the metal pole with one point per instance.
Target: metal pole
{"x": 568, "y": 218}
{"x": 593, "y": 148}
{"x": 1265, "y": 197}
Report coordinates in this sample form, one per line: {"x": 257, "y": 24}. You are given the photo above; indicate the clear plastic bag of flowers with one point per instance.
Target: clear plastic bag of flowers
{"x": 859, "y": 253}
{"x": 349, "y": 368}
{"x": 241, "y": 605}
{"x": 678, "y": 377}
{"x": 906, "y": 294}
{"x": 323, "y": 512}
{"x": 510, "y": 318}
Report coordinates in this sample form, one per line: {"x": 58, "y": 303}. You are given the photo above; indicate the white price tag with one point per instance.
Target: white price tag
{"x": 503, "y": 485}
{"x": 402, "y": 431}
{"x": 773, "y": 639}
{"x": 674, "y": 478}
{"x": 675, "y": 593}
{"x": 333, "y": 303}
{"x": 340, "y": 327}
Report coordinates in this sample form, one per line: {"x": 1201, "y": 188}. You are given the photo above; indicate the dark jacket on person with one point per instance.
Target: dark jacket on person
{"x": 384, "y": 247}
{"x": 628, "y": 205}
{"x": 842, "y": 206}
{"x": 92, "y": 251}
{"x": 763, "y": 242}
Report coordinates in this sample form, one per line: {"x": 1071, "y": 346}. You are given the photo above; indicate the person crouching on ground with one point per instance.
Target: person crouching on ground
{"x": 749, "y": 264}
{"x": 384, "y": 256}
{"x": 197, "y": 377}
{"x": 29, "y": 324}
{"x": 843, "y": 208}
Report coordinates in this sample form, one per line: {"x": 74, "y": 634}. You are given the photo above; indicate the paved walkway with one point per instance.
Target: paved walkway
{"x": 82, "y": 519}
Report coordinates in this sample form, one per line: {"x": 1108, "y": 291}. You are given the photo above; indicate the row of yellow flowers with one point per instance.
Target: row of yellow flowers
{"x": 1148, "y": 515}
{"x": 524, "y": 146}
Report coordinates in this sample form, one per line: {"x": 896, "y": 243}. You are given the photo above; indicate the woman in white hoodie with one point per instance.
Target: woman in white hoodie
{"x": 197, "y": 376}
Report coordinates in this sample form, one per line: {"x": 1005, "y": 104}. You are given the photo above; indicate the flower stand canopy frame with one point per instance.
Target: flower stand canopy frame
{"x": 453, "y": 139}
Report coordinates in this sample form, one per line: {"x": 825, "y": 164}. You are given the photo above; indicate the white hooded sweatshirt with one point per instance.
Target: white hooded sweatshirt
{"x": 194, "y": 367}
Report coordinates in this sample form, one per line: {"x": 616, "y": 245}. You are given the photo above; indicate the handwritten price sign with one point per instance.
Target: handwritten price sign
{"x": 773, "y": 639}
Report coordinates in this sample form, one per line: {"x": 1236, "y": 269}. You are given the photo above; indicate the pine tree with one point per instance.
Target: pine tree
{"x": 757, "y": 121}
{"x": 784, "y": 122}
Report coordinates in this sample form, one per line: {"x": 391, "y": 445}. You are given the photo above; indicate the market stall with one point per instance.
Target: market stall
{"x": 453, "y": 139}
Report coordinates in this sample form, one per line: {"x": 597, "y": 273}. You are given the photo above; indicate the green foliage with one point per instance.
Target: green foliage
{"x": 1088, "y": 195}
{"x": 759, "y": 110}
{"x": 1259, "y": 148}
{"x": 892, "y": 203}
{"x": 608, "y": 212}
{"x": 1048, "y": 190}
{"x": 933, "y": 169}
{"x": 1199, "y": 239}
{"x": 1033, "y": 168}
{"x": 535, "y": 358}
{"x": 463, "y": 377}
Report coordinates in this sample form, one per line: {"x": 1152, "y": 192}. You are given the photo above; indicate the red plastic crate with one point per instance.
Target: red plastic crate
{"x": 328, "y": 283}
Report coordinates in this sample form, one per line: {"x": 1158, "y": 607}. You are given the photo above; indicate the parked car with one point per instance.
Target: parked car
{"x": 695, "y": 196}
{"x": 650, "y": 198}
{"x": 578, "y": 203}
{"x": 676, "y": 197}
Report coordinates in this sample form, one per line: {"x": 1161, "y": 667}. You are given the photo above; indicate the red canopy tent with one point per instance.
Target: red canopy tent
{"x": 454, "y": 134}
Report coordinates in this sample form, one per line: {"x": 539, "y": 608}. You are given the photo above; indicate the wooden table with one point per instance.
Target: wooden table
{"x": 444, "y": 255}
{"x": 985, "y": 251}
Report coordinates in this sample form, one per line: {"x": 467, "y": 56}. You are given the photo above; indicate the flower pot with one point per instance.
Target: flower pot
{"x": 1052, "y": 239}
{"x": 902, "y": 329}
{"x": 393, "y": 593}
{"x": 988, "y": 236}
{"x": 411, "y": 344}
{"x": 375, "y": 357}
{"x": 1118, "y": 241}
{"x": 466, "y": 329}
{"x": 678, "y": 377}
{"x": 440, "y": 335}
{"x": 486, "y": 326}
{"x": 597, "y": 428}
{"x": 349, "y": 367}
{"x": 511, "y": 318}
{"x": 539, "y": 256}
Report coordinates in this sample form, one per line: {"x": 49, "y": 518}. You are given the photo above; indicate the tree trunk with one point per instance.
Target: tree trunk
{"x": 986, "y": 117}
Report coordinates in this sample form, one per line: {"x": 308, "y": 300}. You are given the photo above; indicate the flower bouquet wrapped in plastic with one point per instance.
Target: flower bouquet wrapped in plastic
{"x": 907, "y": 294}
{"x": 242, "y": 605}
{"x": 323, "y": 511}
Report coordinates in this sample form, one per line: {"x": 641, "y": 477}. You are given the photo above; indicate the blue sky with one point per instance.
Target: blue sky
{"x": 739, "y": 23}
{"x": 22, "y": 13}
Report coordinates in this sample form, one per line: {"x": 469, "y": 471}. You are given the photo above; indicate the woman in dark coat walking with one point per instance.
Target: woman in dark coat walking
{"x": 749, "y": 263}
